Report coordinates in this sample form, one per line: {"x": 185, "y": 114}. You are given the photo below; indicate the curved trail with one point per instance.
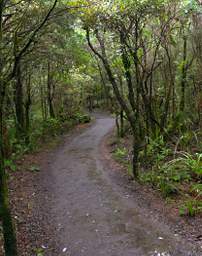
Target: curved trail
{"x": 92, "y": 216}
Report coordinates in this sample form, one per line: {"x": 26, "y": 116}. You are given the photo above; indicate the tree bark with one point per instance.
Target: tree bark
{"x": 50, "y": 93}
{"x": 28, "y": 103}
{"x": 184, "y": 75}
{"x": 10, "y": 245}
{"x": 19, "y": 107}
{"x": 135, "y": 158}
{"x": 121, "y": 123}
{"x": 127, "y": 65}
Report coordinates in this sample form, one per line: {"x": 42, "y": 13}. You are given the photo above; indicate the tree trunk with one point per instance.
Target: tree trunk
{"x": 8, "y": 229}
{"x": 117, "y": 124}
{"x": 127, "y": 65}
{"x": 184, "y": 75}
{"x": 10, "y": 245}
{"x": 43, "y": 100}
{"x": 169, "y": 90}
{"x": 18, "y": 99}
{"x": 136, "y": 149}
{"x": 121, "y": 123}
{"x": 27, "y": 108}
{"x": 50, "y": 93}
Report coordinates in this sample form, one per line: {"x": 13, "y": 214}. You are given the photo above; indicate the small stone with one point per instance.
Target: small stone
{"x": 64, "y": 250}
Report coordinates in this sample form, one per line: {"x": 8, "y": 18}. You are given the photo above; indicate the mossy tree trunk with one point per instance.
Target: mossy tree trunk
{"x": 19, "y": 105}
{"x": 5, "y": 214}
{"x": 10, "y": 246}
{"x": 50, "y": 91}
{"x": 28, "y": 103}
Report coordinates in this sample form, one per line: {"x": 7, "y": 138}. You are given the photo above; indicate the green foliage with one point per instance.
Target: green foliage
{"x": 121, "y": 154}
{"x": 156, "y": 151}
{"x": 176, "y": 172}
{"x": 9, "y": 163}
{"x": 81, "y": 118}
{"x": 41, "y": 131}
{"x": 19, "y": 148}
{"x": 168, "y": 175}
{"x": 192, "y": 162}
{"x": 191, "y": 208}
{"x": 173, "y": 177}
{"x": 162, "y": 181}
{"x": 34, "y": 168}
{"x": 192, "y": 5}
{"x": 39, "y": 252}
{"x": 154, "y": 145}
{"x": 51, "y": 126}
{"x": 180, "y": 123}
{"x": 197, "y": 188}
{"x": 167, "y": 189}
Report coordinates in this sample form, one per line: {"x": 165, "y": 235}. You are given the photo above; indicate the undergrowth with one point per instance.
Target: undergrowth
{"x": 41, "y": 131}
{"x": 175, "y": 174}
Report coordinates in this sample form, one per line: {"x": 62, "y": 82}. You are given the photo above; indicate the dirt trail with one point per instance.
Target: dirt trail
{"x": 89, "y": 213}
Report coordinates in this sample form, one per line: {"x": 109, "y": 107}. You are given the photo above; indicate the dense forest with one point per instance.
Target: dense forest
{"x": 139, "y": 59}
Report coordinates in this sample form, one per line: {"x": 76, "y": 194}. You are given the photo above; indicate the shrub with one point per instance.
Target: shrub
{"x": 121, "y": 154}
{"x": 81, "y": 118}
{"x": 191, "y": 207}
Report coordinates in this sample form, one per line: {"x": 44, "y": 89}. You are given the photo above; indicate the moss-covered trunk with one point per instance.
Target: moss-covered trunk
{"x": 5, "y": 215}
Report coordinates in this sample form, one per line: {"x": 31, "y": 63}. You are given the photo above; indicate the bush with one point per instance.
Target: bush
{"x": 51, "y": 126}
{"x": 191, "y": 207}
{"x": 81, "y": 118}
{"x": 121, "y": 155}
{"x": 162, "y": 181}
{"x": 191, "y": 162}
{"x": 156, "y": 151}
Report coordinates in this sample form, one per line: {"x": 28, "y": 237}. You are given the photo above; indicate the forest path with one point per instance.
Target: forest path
{"x": 91, "y": 214}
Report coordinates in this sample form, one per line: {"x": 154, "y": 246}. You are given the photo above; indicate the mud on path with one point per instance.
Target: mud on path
{"x": 80, "y": 210}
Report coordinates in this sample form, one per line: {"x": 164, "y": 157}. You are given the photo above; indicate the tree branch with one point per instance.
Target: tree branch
{"x": 31, "y": 39}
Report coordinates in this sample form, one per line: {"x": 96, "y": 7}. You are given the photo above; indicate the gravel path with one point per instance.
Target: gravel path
{"x": 89, "y": 214}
